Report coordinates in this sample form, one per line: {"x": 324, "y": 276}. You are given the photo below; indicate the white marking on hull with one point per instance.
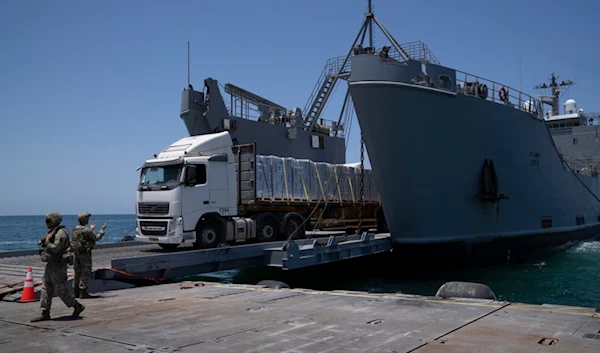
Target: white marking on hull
{"x": 392, "y": 83}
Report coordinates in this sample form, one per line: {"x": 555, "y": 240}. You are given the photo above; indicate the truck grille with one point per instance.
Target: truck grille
{"x": 154, "y": 228}
{"x": 158, "y": 208}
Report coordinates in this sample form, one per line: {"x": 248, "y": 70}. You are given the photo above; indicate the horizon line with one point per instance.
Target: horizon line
{"x": 67, "y": 214}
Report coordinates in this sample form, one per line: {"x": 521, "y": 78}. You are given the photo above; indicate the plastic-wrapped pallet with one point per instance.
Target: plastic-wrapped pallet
{"x": 281, "y": 178}
{"x": 318, "y": 181}
{"x": 352, "y": 174}
{"x": 300, "y": 178}
{"x": 332, "y": 191}
{"x": 343, "y": 189}
{"x": 264, "y": 177}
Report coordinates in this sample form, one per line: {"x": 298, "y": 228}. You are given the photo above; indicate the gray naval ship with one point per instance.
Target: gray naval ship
{"x": 468, "y": 167}
{"x": 575, "y": 132}
{"x": 277, "y": 131}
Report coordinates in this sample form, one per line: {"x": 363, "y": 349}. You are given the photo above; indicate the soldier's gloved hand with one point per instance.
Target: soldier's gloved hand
{"x": 93, "y": 225}
{"x": 103, "y": 227}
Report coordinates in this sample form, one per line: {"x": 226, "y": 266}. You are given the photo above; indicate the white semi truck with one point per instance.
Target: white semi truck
{"x": 206, "y": 191}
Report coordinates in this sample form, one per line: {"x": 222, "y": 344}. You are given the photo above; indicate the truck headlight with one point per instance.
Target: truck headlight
{"x": 173, "y": 226}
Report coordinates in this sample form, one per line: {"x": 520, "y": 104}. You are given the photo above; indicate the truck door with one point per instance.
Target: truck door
{"x": 195, "y": 198}
{"x": 219, "y": 187}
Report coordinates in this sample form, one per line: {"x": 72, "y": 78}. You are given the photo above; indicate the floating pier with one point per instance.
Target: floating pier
{"x": 212, "y": 317}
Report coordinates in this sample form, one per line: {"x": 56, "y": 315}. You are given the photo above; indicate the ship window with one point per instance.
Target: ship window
{"x": 596, "y": 139}
{"x": 575, "y": 141}
{"x": 317, "y": 141}
{"x": 445, "y": 82}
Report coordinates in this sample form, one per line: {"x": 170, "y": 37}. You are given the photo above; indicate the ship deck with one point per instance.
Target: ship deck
{"x": 210, "y": 317}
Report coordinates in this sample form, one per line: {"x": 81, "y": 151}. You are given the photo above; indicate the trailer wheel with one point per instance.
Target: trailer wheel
{"x": 291, "y": 223}
{"x": 267, "y": 230}
{"x": 208, "y": 235}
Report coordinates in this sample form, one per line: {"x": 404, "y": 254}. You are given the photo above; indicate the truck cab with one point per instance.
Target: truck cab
{"x": 190, "y": 180}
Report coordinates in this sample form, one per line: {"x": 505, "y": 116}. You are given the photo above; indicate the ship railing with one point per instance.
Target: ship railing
{"x": 490, "y": 90}
{"x": 586, "y": 166}
{"x": 323, "y": 126}
{"x": 592, "y": 118}
{"x": 416, "y": 50}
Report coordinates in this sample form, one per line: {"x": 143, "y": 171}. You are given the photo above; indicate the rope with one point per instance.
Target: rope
{"x": 156, "y": 280}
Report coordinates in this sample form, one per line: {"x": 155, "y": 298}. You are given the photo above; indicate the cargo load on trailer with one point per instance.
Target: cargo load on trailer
{"x": 279, "y": 178}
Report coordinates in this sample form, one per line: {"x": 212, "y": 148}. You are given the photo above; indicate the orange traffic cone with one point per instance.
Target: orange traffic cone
{"x": 28, "y": 293}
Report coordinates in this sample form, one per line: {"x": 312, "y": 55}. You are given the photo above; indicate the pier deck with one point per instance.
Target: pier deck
{"x": 211, "y": 317}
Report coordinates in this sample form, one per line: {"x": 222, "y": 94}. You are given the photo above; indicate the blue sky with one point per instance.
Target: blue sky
{"x": 89, "y": 90}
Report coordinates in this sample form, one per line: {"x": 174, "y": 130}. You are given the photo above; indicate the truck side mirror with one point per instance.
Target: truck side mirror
{"x": 190, "y": 175}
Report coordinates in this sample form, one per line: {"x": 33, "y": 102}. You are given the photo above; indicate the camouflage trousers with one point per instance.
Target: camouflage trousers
{"x": 55, "y": 283}
{"x": 82, "y": 264}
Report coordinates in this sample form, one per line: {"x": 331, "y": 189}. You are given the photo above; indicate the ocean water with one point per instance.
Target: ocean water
{"x": 24, "y": 232}
{"x": 570, "y": 277}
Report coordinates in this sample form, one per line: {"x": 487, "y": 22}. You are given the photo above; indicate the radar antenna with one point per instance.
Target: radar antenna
{"x": 555, "y": 87}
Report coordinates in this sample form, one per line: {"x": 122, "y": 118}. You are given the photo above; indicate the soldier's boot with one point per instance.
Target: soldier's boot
{"x": 76, "y": 292}
{"x": 84, "y": 294}
{"x": 78, "y": 308}
{"x": 43, "y": 317}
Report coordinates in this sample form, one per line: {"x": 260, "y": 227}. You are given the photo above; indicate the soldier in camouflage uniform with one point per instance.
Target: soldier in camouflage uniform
{"x": 83, "y": 241}
{"x": 55, "y": 245}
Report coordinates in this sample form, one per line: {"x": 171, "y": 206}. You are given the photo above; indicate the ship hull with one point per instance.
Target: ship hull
{"x": 427, "y": 148}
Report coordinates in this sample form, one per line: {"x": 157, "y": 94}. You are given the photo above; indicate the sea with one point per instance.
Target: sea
{"x": 569, "y": 277}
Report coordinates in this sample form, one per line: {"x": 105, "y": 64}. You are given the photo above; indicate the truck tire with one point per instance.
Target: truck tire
{"x": 208, "y": 234}
{"x": 291, "y": 222}
{"x": 267, "y": 229}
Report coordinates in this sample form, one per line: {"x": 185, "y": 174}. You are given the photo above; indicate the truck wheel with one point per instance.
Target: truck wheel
{"x": 290, "y": 225}
{"x": 208, "y": 235}
{"x": 267, "y": 230}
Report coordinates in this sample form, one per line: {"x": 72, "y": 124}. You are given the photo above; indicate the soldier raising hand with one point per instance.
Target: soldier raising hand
{"x": 83, "y": 241}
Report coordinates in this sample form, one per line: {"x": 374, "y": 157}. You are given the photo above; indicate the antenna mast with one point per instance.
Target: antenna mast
{"x": 188, "y": 60}
{"x": 555, "y": 87}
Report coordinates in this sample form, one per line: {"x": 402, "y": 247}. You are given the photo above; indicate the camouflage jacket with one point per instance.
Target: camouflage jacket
{"x": 55, "y": 246}
{"x": 84, "y": 239}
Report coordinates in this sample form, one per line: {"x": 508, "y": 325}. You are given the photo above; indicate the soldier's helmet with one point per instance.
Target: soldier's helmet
{"x": 54, "y": 218}
{"x": 83, "y": 216}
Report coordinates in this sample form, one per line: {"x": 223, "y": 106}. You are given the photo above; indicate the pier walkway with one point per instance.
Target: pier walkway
{"x": 212, "y": 317}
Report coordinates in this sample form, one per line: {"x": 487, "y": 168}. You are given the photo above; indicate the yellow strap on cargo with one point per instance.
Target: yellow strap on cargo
{"x": 320, "y": 184}
{"x": 302, "y": 179}
{"x": 287, "y": 194}
{"x": 337, "y": 182}
{"x": 351, "y": 188}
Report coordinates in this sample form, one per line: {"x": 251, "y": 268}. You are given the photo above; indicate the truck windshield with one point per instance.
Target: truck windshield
{"x": 160, "y": 177}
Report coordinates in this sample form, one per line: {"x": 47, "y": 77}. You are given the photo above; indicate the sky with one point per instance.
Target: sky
{"x": 89, "y": 90}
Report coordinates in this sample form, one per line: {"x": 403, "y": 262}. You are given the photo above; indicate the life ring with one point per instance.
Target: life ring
{"x": 503, "y": 94}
